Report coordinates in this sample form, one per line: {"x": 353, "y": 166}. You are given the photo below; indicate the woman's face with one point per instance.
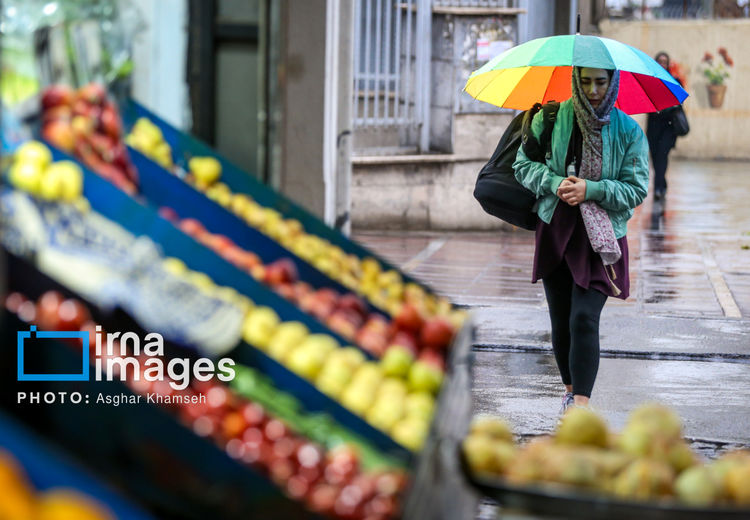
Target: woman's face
{"x": 595, "y": 83}
{"x": 663, "y": 61}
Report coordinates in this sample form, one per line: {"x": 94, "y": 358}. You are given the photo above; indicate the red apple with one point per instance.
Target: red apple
{"x": 72, "y": 314}
{"x": 406, "y": 340}
{"x": 14, "y": 301}
{"x": 372, "y": 341}
{"x": 343, "y": 322}
{"x": 281, "y": 470}
{"x": 436, "y": 333}
{"x": 57, "y": 113}
{"x": 322, "y": 497}
{"x": 253, "y": 435}
{"x": 286, "y": 291}
{"x": 309, "y": 455}
{"x": 47, "y": 308}
{"x": 275, "y": 430}
{"x": 301, "y": 290}
{"x": 390, "y": 483}
{"x": 433, "y": 357}
{"x": 254, "y": 414}
{"x": 92, "y": 94}
{"x": 110, "y": 122}
{"x": 27, "y": 311}
{"x": 56, "y": 95}
{"x": 59, "y": 133}
{"x": 328, "y": 295}
{"x": 353, "y": 303}
{"x": 191, "y": 226}
{"x": 381, "y": 506}
{"x": 285, "y": 447}
{"x": 168, "y": 213}
{"x": 297, "y": 487}
{"x": 281, "y": 271}
{"x": 409, "y": 319}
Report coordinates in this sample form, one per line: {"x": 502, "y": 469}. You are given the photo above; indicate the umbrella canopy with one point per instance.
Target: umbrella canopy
{"x": 539, "y": 71}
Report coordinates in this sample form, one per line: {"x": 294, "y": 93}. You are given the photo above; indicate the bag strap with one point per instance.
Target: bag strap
{"x": 539, "y": 149}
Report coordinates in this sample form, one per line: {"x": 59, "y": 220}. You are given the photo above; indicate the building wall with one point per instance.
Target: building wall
{"x": 714, "y": 133}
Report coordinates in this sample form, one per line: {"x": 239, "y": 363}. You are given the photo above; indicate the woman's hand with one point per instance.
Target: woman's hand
{"x": 572, "y": 190}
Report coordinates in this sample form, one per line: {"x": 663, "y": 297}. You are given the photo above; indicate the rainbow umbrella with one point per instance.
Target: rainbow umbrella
{"x": 539, "y": 71}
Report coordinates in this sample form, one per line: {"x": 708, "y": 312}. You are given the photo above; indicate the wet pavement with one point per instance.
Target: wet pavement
{"x": 683, "y": 336}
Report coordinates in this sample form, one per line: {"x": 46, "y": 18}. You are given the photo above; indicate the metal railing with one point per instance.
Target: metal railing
{"x": 392, "y": 66}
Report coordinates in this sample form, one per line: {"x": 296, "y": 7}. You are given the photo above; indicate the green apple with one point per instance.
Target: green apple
{"x": 330, "y": 386}
{"x": 396, "y": 361}
{"x": 369, "y": 374}
{"x": 259, "y": 326}
{"x": 424, "y": 377}
{"x": 358, "y": 398}
{"x": 384, "y": 414}
{"x": 419, "y": 404}
{"x": 336, "y": 369}
{"x": 321, "y": 342}
{"x": 288, "y": 335}
{"x": 305, "y": 361}
{"x": 26, "y": 176}
{"x": 393, "y": 389}
{"x": 352, "y": 356}
{"x": 410, "y": 432}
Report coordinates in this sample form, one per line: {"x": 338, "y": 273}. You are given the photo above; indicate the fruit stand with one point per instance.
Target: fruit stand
{"x": 351, "y": 381}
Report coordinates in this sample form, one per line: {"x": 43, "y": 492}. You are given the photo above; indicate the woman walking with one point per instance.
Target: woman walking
{"x": 661, "y": 139}
{"x": 596, "y": 175}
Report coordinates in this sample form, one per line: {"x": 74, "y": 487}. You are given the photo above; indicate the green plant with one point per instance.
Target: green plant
{"x": 717, "y": 73}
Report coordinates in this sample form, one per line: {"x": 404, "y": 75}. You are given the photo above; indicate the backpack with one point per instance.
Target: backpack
{"x": 496, "y": 189}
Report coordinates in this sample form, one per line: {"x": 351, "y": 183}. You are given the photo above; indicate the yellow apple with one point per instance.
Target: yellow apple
{"x": 67, "y": 178}
{"x": 288, "y": 335}
{"x": 206, "y": 170}
{"x": 259, "y": 326}
{"x": 33, "y": 152}
{"x": 26, "y": 176}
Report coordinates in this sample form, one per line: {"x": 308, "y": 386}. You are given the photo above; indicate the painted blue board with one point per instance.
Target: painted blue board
{"x": 48, "y": 468}
{"x": 313, "y": 400}
{"x": 140, "y": 219}
{"x": 184, "y": 146}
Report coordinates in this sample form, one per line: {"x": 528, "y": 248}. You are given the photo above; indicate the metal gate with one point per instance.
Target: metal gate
{"x": 392, "y": 67}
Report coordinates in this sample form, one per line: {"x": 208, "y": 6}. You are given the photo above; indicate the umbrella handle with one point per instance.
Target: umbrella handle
{"x": 578, "y": 24}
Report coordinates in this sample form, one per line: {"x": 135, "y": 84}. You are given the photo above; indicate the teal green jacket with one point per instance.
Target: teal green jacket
{"x": 624, "y": 181}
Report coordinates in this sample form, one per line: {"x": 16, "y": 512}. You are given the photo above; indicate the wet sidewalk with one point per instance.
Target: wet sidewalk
{"x": 683, "y": 336}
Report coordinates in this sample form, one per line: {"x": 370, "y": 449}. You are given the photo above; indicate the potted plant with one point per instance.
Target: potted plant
{"x": 716, "y": 74}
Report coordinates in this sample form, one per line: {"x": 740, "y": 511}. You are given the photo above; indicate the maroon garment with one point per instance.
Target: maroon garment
{"x": 565, "y": 239}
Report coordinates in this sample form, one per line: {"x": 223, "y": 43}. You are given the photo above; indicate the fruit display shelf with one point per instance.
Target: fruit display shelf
{"x": 433, "y": 480}
{"x": 143, "y": 220}
{"x": 186, "y": 146}
{"x": 213, "y": 480}
{"x": 341, "y": 260}
{"x": 48, "y": 469}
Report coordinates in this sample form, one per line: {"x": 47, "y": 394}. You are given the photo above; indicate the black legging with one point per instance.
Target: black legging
{"x": 574, "y": 313}
{"x": 661, "y": 139}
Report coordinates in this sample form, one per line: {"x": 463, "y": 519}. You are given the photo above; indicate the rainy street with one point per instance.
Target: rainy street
{"x": 682, "y": 338}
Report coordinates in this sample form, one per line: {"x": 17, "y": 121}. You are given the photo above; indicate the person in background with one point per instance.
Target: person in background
{"x": 661, "y": 139}
{"x": 588, "y": 188}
